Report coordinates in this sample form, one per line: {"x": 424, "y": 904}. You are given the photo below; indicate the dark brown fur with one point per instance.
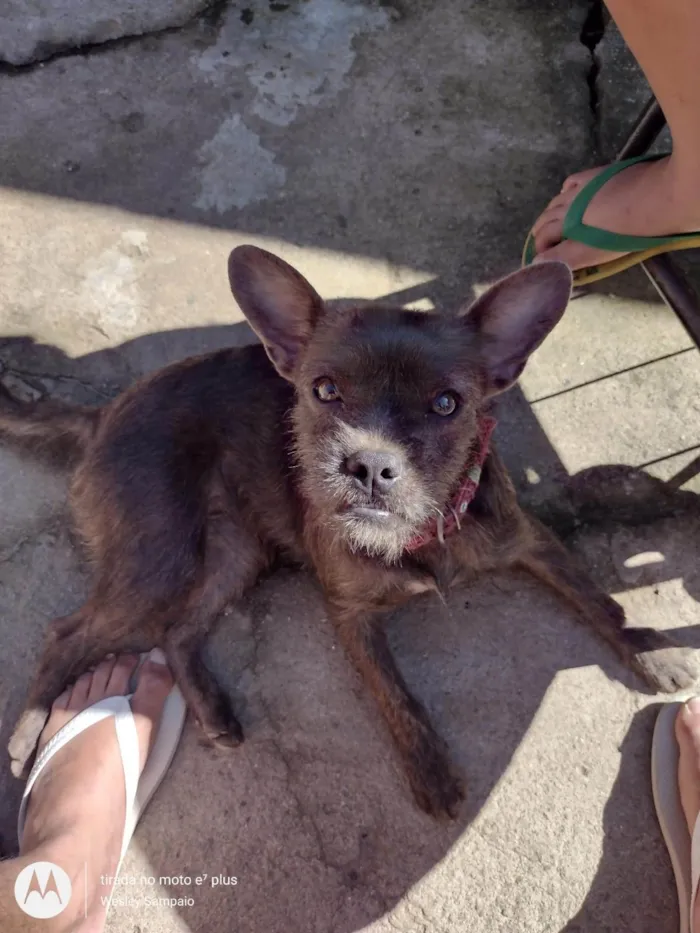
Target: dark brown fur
{"x": 196, "y": 479}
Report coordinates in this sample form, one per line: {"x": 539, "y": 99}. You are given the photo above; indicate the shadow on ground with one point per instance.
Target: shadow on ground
{"x": 632, "y": 850}
{"x": 312, "y": 814}
{"x": 420, "y": 137}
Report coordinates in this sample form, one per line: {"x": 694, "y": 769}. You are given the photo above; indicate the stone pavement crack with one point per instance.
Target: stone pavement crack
{"x": 211, "y": 15}
{"x": 106, "y": 394}
{"x": 7, "y": 555}
{"x": 591, "y": 34}
{"x": 306, "y": 816}
{"x": 429, "y": 924}
{"x": 49, "y": 528}
{"x": 393, "y": 923}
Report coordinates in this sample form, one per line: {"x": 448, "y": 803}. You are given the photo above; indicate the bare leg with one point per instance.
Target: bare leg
{"x": 75, "y": 817}
{"x": 655, "y": 198}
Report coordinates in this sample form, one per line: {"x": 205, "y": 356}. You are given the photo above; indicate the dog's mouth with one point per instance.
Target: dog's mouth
{"x": 375, "y": 527}
{"x": 370, "y": 512}
{"x": 379, "y": 526}
{"x": 390, "y": 514}
{"x": 377, "y": 516}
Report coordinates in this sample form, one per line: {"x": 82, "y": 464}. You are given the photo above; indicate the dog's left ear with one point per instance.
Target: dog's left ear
{"x": 280, "y": 305}
{"x": 514, "y": 316}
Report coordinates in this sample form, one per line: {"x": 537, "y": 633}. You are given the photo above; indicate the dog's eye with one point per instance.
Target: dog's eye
{"x": 326, "y": 391}
{"x": 445, "y": 404}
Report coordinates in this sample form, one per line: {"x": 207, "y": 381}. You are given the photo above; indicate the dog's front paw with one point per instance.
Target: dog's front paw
{"x": 23, "y": 742}
{"x": 220, "y": 725}
{"x": 437, "y": 787}
{"x": 661, "y": 662}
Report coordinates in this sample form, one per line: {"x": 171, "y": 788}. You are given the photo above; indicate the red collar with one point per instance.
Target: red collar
{"x": 438, "y": 528}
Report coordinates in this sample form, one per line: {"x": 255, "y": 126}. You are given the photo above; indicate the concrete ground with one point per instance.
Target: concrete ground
{"x": 389, "y": 149}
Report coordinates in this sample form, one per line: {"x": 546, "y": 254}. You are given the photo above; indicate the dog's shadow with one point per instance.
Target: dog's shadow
{"x": 312, "y": 815}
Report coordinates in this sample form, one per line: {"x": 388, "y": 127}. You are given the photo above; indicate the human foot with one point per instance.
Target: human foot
{"x": 76, "y": 813}
{"x": 688, "y": 738}
{"x": 656, "y": 198}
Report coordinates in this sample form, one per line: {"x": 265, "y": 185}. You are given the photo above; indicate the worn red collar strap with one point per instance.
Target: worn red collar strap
{"x": 438, "y": 528}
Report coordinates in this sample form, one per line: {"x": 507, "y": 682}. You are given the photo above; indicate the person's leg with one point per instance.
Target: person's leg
{"x": 75, "y": 817}
{"x": 654, "y": 198}
{"x": 688, "y": 737}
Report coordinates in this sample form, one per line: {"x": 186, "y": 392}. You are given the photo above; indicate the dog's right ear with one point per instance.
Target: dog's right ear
{"x": 280, "y": 305}
{"x": 515, "y": 315}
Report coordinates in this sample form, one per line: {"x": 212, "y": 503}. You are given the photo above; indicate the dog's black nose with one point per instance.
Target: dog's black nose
{"x": 374, "y": 471}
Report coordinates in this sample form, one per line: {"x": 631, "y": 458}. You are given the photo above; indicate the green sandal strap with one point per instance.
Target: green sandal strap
{"x": 575, "y": 229}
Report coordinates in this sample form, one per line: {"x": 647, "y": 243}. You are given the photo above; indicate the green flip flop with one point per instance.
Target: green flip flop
{"x": 636, "y": 248}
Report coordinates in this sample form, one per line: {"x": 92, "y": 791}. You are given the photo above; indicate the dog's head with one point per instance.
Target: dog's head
{"x": 388, "y": 399}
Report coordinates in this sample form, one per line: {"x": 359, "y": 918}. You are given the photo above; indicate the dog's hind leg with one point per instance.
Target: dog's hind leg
{"x": 121, "y": 617}
{"x": 663, "y": 664}
{"x": 234, "y": 560}
{"x": 72, "y": 645}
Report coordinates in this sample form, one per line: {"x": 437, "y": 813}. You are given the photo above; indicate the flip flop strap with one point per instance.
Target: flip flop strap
{"x": 575, "y": 229}
{"x": 117, "y": 707}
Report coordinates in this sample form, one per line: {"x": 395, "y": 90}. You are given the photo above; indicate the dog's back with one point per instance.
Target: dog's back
{"x": 210, "y": 432}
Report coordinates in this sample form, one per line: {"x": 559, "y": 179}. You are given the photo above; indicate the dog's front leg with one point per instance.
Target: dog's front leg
{"x": 662, "y": 663}
{"x": 436, "y": 786}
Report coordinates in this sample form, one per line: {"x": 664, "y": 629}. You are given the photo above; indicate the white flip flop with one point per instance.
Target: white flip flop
{"x": 684, "y": 851}
{"x": 139, "y": 789}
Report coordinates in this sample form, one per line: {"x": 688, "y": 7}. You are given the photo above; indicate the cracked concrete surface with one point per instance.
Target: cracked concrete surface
{"x": 42, "y": 29}
{"x": 386, "y": 150}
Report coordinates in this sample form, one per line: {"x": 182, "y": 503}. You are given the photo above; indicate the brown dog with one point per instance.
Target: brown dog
{"x": 358, "y": 452}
